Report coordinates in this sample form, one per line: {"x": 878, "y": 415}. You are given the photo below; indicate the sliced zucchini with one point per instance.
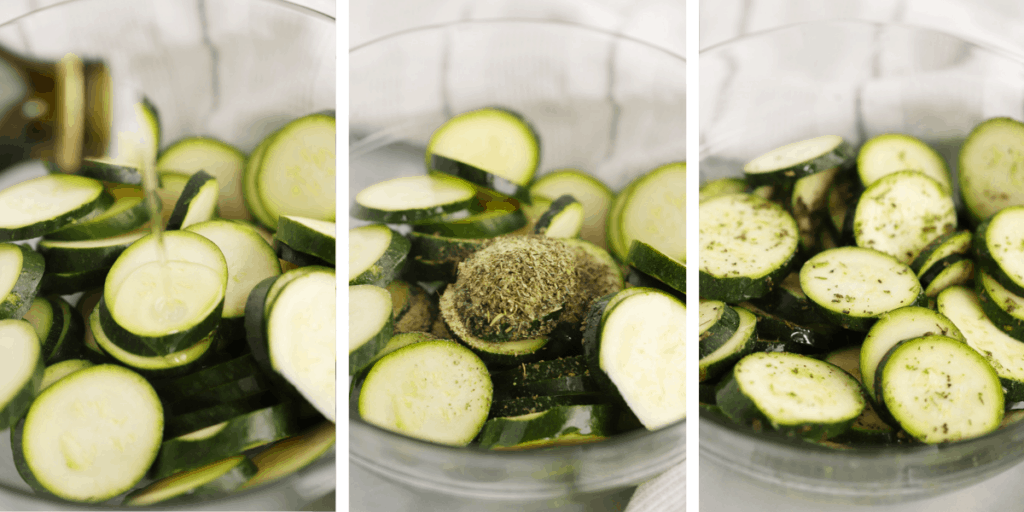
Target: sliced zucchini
{"x": 999, "y": 243}
{"x": 217, "y": 477}
{"x": 950, "y": 271}
{"x": 376, "y": 255}
{"x": 562, "y": 425}
{"x": 485, "y": 224}
{"x": 290, "y": 455}
{"x": 892, "y": 152}
{"x": 367, "y": 337}
{"x": 250, "y": 192}
{"x": 67, "y": 283}
{"x": 22, "y": 367}
{"x": 85, "y": 255}
{"x": 788, "y": 301}
{"x": 600, "y": 272}
{"x": 853, "y": 286}
{"x": 525, "y": 373}
{"x": 451, "y": 398}
{"x": 957, "y": 242}
{"x": 869, "y": 426}
{"x": 740, "y": 344}
{"x": 718, "y": 323}
{"x": 504, "y": 408}
{"x": 292, "y": 258}
{"x": 198, "y": 382}
{"x": 58, "y": 371}
{"x": 42, "y": 205}
{"x": 219, "y": 160}
{"x": 594, "y": 195}
{"x": 721, "y": 187}
{"x": 747, "y": 245}
{"x": 426, "y": 247}
{"x": 208, "y": 420}
{"x": 171, "y": 186}
{"x": 492, "y": 148}
{"x": 901, "y": 213}
{"x": 801, "y": 339}
{"x": 72, "y": 341}
{"x": 652, "y": 262}
{"x": 1003, "y": 308}
{"x": 47, "y": 321}
{"x": 196, "y": 203}
{"x": 563, "y": 219}
{"x": 794, "y": 394}
{"x": 940, "y": 390}
{"x": 21, "y": 273}
{"x": 786, "y": 164}
{"x": 613, "y": 230}
{"x": 655, "y": 211}
{"x": 297, "y": 171}
{"x": 92, "y": 435}
{"x": 989, "y": 165}
{"x": 496, "y": 353}
{"x": 311, "y": 236}
{"x": 168, "y": 364}
{"x": 412, "y": 199}
{"x": 126, "y": 214}
{"x": 110, "y": 170}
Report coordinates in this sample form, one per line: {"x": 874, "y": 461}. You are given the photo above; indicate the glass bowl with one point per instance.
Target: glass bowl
{"x": 857, "y": 80}
{"x": 606, "y": 104}
{"x": 235, "y": 70}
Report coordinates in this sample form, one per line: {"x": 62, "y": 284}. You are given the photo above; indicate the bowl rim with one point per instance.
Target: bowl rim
{"x": 282, "y": 3}
{"x": 794, "y": 446}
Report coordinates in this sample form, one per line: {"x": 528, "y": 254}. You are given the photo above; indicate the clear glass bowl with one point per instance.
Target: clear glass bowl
{"x": 857, "y": 80}
{"x": 235, "y": 70}
{"x": 609, "y": 105}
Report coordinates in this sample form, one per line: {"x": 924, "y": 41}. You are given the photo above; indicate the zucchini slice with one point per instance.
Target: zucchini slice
{"x": 291, "y": 455}
{"x": 250, "y": 191}
{"x": 171, "y": 186}
{"x": 292, "y": 258}
{"x": 42, "y": 205}
{"x": 92, "y": 435}
{"x": 721, "y": 187}
{"x": 297, "y": 170}
{"x": 492, "y": 148}
{"x": 1004, "y": 353}
{"x": 21, "y": 274}
{"x": 989, "y": 165}
{"x": 894, "y": 327}
{"x": 600, "y": 272}
{"x": 47, "y": 320}
{"x": 562, "y": 425}
{"x": 451, "y": 393}
{"x": 999, "y": 243}
{"x": 85, "y": 255}
{"x": 126, "y": 214}
{"x": 412, "y": 199}
{"x": 901, "y": 213}
{"x": 894, "y": 152}
{"x": 869, "y": 426}
{"x": 217, "y": 159}
{"x": 594, "y": 195}
{"x": 784, "y": 165}
{"x": 543, "y": 370}
{"x": 718, "y": 324}
{"x": 563, "y": 219}
{"x": 957, "y": 242}
{"x": 950, "y": 271}
{"x": 22, "y": 367}
{"x": 367, "y": 337}
{"x": 504, "y": 408}
{"x": 376, "y": 255}
{"x": 853, "y": 286}
{"x": 198, "y": 382}
{"x": 1003, "y": 308}
{"x": 217, "y": 477}
{"x": 67, "y": 283}
{"x": 167, "y": 365}
{"x": 496, "y": 353}
{"x": 613, "y": 230}
{"x": 940, "y": 390}
{"x": 311, "y": 236}
{"x": 801, "y": 339}
{"x": 489, "y": 223}
{"x": 794, "y": 394}
{"x": 739, "y": 344}
{"x": 196, "y": 203}
{"x": 655, "y": 211}
{"x": 58, "y": 371}
{"x": 71, "y": 343}
{"x": 747, "y": 245}
{"x": 652, "y": 262}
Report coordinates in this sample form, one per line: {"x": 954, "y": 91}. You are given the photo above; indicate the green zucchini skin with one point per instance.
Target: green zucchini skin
{"x": 54, "y": 283}
{"x": 479, "y": 177}
{"x": 484, "y": 224}
{"x": 199, "y": 382}
{"x": 231, "y": 480}
{"x": 243, "y": 432}
{"x": 119, "y": 223}
{"x": 20, "y": 464}
{"x": 739, "y": 289}
{"x": 70, "y": 260}
{"x": 227, "y": 392}
{"x": 18, "y": 302}
{"x": 503, "y": 408}
{"x": 542, "y": 370}
{"x": 721, "y": 331}
{"x": 108, "y": 171}
{"x": 581, "y": 384}
{"x": 801, "y": 339}
{"x": 70, "y": 341}
{"x": 18, "y": 405}
{"x": 389, "y": 266}
{"x": 656, "y": 264}
{"x": 151, "y": 346}
{"x": 298, "y": 258}
{"x": 442, "y": 248}
{"x": 958, "y": 242}
{"x": 586, "y": 421}
{"x": 256, "y": 335}
{"x": 307, "y": 240}
{"x": 196, "y": 420}
{"x": 181, "y": 207}
{"x": 994, "y": 310}
{"x": 638, "y": 279}
{"x": 557, "y": 207}
{"x": 744, "y": 342}
{"x": 592, "y": 325}
{"x": 984, "y": 259}
{"x": 785, "y": 303}
{"x": 56, "y": 328}
{"x": 98, "y": 204}
{"x": 839, "y": 156}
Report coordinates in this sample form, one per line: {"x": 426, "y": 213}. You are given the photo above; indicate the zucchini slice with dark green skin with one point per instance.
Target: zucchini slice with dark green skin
{"x": 957, "y": 242}
{"x": 216, "y": 159}
{"x": 594, "y": 195}
{"x": 297, "y": 173}
{"x": 721, "y": 187}
{"x": 737, "y": 266}
{"x": 655, "y": 211}
{"x": 739, "y": 345}
{"x": 563, "y": 219}
{"x": 84, "y": 255}
{"x": 998, "y": 243}
{"x": 987, "y": 170}
{"x": 499, "y": 354}
{"x": 47, "y": 320}
{"x": 55, "y": 283}
{"x": 250, "y": 192}
{"x": 486, "y": 224}
{"x": 613, "y": 231}
{"x": 561, "y": 425}
{"x": 21, "y": 272}
{"x": 542, "y": 370}
{"x": 422, "y": 198}
{"x": 869, "y": 426}
{"x": 234, "y": 390}
{"x": 232, "y": 436}
{"x": 718, "y": 323}
{"x": 197, "y": 202}
{"x": 58, "y": 371}
{"x": 637, "y": 279}
{"x": 22, "y": 367}
{"x": 949, "y": 271}
{"x": 196, "y": 383}
{"x": 169, "y": 365}
{"x": 658, "y": 265}
{"x": 217, "y": 477}
{"x": 372, "y": 305}
{"x": 788, "y": 301}
{"x": 441, "y": 248}
{"x": 290, "y": 455}
{"x": 502, "y": 408}
{"x": 916, "y": 378}
{"x": 801, "y": 339}
{"x": 298, "y": 258}
{"x": 128, "y": 213}
{"x": 793, "y": 394}
{"x": 42, "y": 205}
{"x": 310, "y": 236}
{"x": 1003, "y": 308}
{"x": 582, "y": 384}
{"x": 183, "y": 424}
{"x": 786, "y": 164}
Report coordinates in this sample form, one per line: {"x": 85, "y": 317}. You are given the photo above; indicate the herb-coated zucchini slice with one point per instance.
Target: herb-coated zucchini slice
{"x": 489, "y": 223}
{"x": 492, "y": 148}
{"x": 91, "y": 454}
{"x": 794, "y": 394}
{"x": 1004, "y": 353}
{"x": 311, "y": 236}
{"x": 594, "y": 195}
{"x": 894, "y": 327}
{"x": 869, "y": 426}
{"x": 290, "y": 455}
{"x": 42, "y": 205}
{"x": 747, "y": 245}
{"x": 801, "y": 339}
{"x": 788, "y": 301}
{"x": 438, "y": 248}
{"x": 582, "y": 384}
{"x": 655, "y": 211}
{"x": 893, "y": 152}
{"x": 412, "y": 199}
{"x": 641, "y": 348}
{"x": 376, "y": 255}
{"x": 196, "y": 203}
{"x": 542, "y": 370}
{"x": 85, "y": 255}
{"x": 58, "y": 371}
{"x": 949, "y": 271}
{"x": 216, "y": 477}
{"x": 901, "y": 213}
{"x": 22, "y": 367}
{"x": 786, "y": 164}
{"x": 808, "y": 204}
{"x": 602, "y": 274}
{"x": 740, "y": 344}
{"x": 563, "y": 219}
{"x": 126, "y": 214}
{"x": 718, "y": 323}
{"x": 1003, "y": 308}
{"x": 658, "y": 265}
{"x": 940, "y": 390}
{"x": 562, "y": 425}
{"x": 21, "y": 273}
{"x": 503, "y": 408}
{"x": 957, "y": 242}
{"x": 999, "y": 242}
{"x": 452, "y": 398}
{"x": 217, "y": 159}
{"x": 297, "y": 171}
{"x": 988, "y": 167}
{"x": 145, "y": 323}
{"x": 502, "y": 354}
{"x": 418, "y": 309}
{"x": 721, "y": 187}
{"x": 853, "y": 286}
{"x": 367, "y": 337}
{"x": 231, "y": 437}
{"x": 250, "y": 191}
